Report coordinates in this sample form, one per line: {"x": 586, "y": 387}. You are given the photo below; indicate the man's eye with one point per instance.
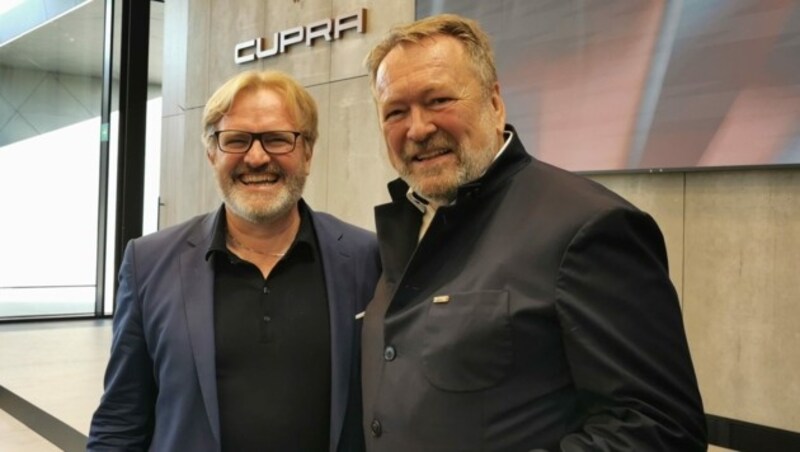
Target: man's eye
{"x": 392, "y": 114}
{"x": 277, "y": 140}
{"x": 237, "y": 141}
{"x": 441, "y": 100}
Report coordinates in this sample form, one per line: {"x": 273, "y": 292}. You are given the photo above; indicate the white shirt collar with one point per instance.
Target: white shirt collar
{"x": 423, "y": 204}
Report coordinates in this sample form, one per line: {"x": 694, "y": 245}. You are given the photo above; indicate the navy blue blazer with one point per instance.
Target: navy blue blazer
{"x": 160, "y": 384}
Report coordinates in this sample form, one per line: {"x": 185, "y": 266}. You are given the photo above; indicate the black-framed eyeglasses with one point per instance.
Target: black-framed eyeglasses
{"x": 275, "y": 142}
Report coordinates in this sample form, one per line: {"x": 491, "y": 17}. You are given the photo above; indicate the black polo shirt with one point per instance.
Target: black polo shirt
{"x": 272, "y": 347}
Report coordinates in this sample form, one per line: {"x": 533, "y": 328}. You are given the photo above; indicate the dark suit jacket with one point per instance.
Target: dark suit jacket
{"x": 536, "y": 313}
{"x": 160, "y": 385}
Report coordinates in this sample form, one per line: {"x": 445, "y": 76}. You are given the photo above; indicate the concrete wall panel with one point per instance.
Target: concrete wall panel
{"x": 741, "y": 294}
{"x": 359, "y": 168}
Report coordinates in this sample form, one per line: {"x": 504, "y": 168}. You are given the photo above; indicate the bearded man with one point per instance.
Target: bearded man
{"x": 521, "y": 307}
{"x": 237, "y": 329}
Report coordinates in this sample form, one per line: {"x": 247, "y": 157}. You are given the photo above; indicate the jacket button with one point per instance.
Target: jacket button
{"x": 389, "y": 353}
{"x": 376, "y": 428}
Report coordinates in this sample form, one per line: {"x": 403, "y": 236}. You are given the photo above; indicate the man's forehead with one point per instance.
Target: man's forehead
{"x": 250, "y": 92}
{"x": 411, "y": 55}
{"x": 428, "y": 45}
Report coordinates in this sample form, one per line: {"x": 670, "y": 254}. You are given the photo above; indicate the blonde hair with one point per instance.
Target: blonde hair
{"x": 301, "y": 106}
{"x": 467, "y": 31}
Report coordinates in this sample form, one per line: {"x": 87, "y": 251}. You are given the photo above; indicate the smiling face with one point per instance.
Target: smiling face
{"x": 256, "y": 186}
{"x": 441, "y": 126}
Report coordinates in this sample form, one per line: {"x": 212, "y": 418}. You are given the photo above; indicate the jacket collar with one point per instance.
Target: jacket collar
{"x": 514, "y": 158}
{"x": 400, "y": 220}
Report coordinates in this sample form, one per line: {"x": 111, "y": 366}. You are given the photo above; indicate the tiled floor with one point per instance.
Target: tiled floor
{"x": 15, "y": 436}
{"x": 56, "y": 366}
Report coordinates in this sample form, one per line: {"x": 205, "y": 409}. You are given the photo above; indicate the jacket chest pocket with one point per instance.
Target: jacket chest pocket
{"x": 468, "y": 340}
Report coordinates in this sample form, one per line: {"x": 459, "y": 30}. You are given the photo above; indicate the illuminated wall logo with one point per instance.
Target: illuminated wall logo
{"x": 328, "y": 29}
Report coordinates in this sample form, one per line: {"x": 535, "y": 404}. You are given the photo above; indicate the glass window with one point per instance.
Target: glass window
{"x": 50, "y": 105}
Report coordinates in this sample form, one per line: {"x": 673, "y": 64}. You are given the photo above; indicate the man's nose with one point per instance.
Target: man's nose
{"x": 421, "y": 126}
{"x": 257, "y": 155}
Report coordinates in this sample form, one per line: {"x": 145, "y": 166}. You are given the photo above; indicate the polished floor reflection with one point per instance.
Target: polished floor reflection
{"x": 52, "y": 373}
{"x": 51, "y": 378}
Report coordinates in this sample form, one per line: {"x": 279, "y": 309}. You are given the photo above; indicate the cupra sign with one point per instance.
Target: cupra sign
{"x": 329, "y": 29}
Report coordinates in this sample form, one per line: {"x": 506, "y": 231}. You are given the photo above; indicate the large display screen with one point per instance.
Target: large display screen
{"x": 631, "y": 85}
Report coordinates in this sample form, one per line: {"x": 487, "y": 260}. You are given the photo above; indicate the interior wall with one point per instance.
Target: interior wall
{"x": 349, "y": 168}
{"x": 733, "y": 237}
{"x": 733, "y": 240}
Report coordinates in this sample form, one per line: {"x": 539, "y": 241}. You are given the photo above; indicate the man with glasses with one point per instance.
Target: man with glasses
{"x": 237, "y": 330}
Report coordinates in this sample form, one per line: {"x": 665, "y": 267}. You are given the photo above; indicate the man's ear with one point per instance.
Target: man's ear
{"x": 499, "y": 108}
{"x": 308, "y": 154}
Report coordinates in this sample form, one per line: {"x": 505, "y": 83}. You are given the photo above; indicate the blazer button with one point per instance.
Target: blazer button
{"x": 389, "y": 353}
{"x": 376, "y": 428}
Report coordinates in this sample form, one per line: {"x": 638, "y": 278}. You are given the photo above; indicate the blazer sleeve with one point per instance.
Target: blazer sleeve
{"x": 625, "y": 341}
{"x": 124, "y": 418}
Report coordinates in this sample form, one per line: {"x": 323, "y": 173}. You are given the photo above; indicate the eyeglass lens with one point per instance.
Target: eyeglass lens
{"x": 278, "y": 142}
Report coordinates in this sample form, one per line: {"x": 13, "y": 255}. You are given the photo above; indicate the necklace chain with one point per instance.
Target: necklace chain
{"x": 237, "y": 244}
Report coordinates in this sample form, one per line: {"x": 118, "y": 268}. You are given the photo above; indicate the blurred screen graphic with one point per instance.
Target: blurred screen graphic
{"x": 631, "y": 85}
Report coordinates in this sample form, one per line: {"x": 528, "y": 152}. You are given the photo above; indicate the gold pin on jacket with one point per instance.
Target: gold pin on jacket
{"x": 441, "y": 299}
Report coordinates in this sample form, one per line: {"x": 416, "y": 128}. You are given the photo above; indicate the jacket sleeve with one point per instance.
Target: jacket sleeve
{"x": 625, "y": 341}
{"x": 124, "y": 419}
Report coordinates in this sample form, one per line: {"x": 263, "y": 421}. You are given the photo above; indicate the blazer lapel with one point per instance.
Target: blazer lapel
{"x": 197, "y": 281}
{"x": 340, "y": 290}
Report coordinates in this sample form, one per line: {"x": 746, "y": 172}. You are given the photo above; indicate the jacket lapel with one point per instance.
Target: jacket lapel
{"x": 197, "y": 281}
{"x": 340, "y": 292}
{"x": 397, "y": 224}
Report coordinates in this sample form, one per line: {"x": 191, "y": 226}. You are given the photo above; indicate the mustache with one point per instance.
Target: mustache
{"x": 439, "y": 140}
{"x": 269, "y": 168}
